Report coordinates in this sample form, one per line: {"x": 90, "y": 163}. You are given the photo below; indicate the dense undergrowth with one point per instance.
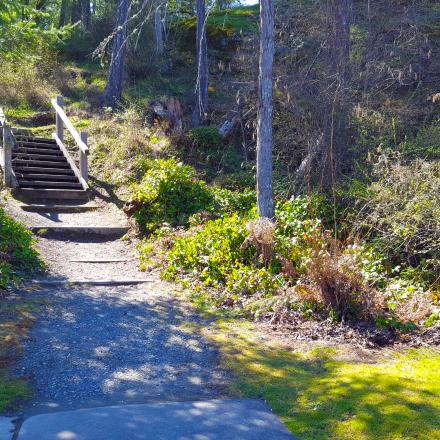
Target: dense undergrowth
{"x": 231, "y": 259}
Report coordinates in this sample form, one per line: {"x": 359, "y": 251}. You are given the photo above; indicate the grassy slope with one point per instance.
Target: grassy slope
{"x": 321, "y": 396}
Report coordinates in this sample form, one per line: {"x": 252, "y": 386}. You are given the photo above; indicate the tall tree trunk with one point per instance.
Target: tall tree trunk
{"x": 201, "y": 107}
{"x": 75, "y": 14}
{"x": 158, "y": 29}
{"x": 85, "y": 14}
{"x": 63, "y": 13}
{"x": 340, "y": 57}
{"x": 265, "y": 111}
{"x": 113, "y": 90}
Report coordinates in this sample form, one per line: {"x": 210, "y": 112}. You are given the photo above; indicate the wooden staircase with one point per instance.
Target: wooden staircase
{"x": 42, "y": 168}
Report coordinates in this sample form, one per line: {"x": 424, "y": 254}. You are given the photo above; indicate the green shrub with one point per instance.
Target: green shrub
{"x": 211, "y": 251}
{"x": 169, "y": 193}
{"x": 206, "y": 139}
{"x": 425, "y": 145}
{"x": 402, "y": 215}
{"x": 218, "y": 35}
{"x": 17, "y": 254}
{"x": 227, "y": 201}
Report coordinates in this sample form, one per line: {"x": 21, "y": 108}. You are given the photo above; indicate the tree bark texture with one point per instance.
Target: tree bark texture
{"x": 201, "y": 107}
{"x": 75, "y": 12}
{"x": 265, "y": 111}
{"x": 113, "y": 90}
{"x": 63, "y": 13}
{"x": 338, "y": 123}
{"x": 158, "y": 29}
{"x": 86, "y": 15}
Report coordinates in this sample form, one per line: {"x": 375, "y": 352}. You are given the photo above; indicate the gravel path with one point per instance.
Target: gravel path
{"x": 101, "y": 346}
{"x": 94, "y": 346}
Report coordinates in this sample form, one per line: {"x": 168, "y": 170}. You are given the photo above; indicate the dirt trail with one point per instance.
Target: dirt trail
{"x": 97, "y": 345}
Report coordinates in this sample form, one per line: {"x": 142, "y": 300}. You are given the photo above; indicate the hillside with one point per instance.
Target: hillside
{"x": 305, "y": 304}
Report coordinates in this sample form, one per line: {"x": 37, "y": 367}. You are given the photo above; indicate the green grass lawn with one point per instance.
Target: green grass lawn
{"x": 240, "y": 19}
{"x": 319, "y": 395}
{"x": 11, "y": 390}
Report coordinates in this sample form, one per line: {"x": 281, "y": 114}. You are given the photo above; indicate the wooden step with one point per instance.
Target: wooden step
{"x": 39, "y": 163}
{"x": 44, "y": 177}
{"x": 34, "y": 139}
{"x": 37, "y": 156}
{"x": 113, "y": 231}
{"x": 44, "y": 145}
{"x": 48, "y": 184}
{"x": 21, "y": 132}
{"x": 45, "y": 151}
{"x": 90, "y": 282}
{"x": 49, "y": 194}
{"x": 43, "y": 170}
{"x": 64, "y": 208}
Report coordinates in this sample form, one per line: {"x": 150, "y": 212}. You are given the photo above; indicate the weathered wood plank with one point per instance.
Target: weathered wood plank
{"x": 62, "y": 115}
{"x": 71, "y": 162}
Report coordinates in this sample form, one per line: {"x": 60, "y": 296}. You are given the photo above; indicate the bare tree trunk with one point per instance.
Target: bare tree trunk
{"x": 341, "y": 39}
{"x": 75, "y": 13}
{"x": 85, "y": 14}
{"x": 201, "y": 107}
{"x": 340, "y": 56}
{"x": 63, "y": 13}
{"x": 113, "y": 90}
{"x": 158, "y": 29}
{"x": 265, "y": 111}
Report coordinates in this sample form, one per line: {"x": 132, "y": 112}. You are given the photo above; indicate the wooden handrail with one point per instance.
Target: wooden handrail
{"x": 7, "y": 145}
{"x": 3, "y": 121}
{"x": 80, "y": 139}
{"x": 79, "y": 173}
{"x": 57, "y": 104}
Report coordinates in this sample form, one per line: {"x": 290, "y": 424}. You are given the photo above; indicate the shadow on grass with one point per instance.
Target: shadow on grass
{"x": 319, "y": 397}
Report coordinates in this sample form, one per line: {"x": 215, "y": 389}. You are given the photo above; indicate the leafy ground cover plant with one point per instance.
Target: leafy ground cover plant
{"x": 18, "y": 258}
{"x": 171, "y": 193}
{"x": 265, "y": 268}
{"x": 17, "y": 253}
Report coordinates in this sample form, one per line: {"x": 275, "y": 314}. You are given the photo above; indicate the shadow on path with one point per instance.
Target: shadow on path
{"x": 95, "y": 346}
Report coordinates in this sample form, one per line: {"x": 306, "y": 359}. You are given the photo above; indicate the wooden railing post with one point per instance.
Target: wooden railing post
{"x": 59, "y": 121}
{"x": 83, "y": 158}
{"x": 7, "y": 156}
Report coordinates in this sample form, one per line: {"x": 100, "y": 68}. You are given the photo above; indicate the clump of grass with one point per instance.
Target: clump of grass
{"x": 22, "y": 84}
{"x": 11, "y": 390}
{"x": 121, "y": 146}
{"x": 16, "y": 317}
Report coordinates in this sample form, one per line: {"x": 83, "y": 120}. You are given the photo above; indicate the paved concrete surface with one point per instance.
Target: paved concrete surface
{"x": 6, "y": 428}
{"x": 207, "y": 420}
